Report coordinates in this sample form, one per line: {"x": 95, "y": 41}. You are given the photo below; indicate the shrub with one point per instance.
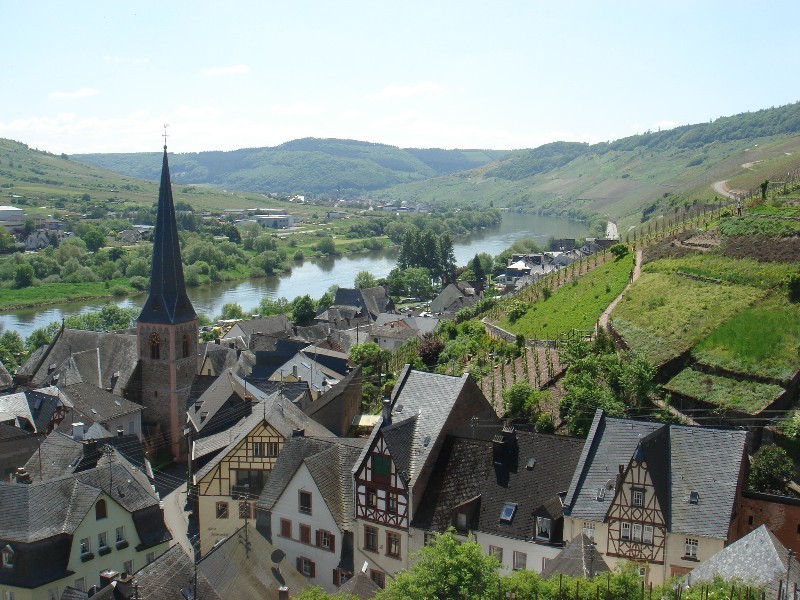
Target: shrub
{"x": 793, "y": 286}
{"x": 545, "y": 423}
{"x": 139, "y": 283}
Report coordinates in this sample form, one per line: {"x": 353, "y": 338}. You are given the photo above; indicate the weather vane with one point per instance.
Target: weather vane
{"x": 165, "y": 135}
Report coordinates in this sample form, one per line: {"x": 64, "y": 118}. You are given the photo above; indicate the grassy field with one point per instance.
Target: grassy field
{"x": 663, "y": 315}
{"x": 746, "y": 396}
{"x": 760, "y": 226}
{"x": 716, "y": 266}
{"x": 58, "y": 293}
{"x": 575, "y": 305}
{"x": 763, "y": 339}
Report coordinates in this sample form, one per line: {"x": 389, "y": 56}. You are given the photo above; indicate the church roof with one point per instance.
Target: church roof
{"x": 167, "y": 301}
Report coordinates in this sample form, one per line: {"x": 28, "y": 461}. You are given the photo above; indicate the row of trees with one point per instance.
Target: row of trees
{"x": 449, "y": 569}
{"x": 424, "y": 249}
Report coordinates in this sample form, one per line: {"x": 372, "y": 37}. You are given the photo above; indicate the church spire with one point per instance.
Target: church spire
{"x": 167, "y": 301}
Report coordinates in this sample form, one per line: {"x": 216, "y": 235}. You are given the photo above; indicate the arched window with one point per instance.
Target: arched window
{"x": 7, "y": 557}
{"x": 100, "y": 511}
{"x": 155, "y": 345}
{"x": 185, "y": 345}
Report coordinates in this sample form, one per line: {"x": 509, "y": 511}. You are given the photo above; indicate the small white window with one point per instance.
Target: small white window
{"x": 638, "y": 498}
{"x": 120, "y": 534}
{"x": 151, "y": 556}
{"x": 625, "y": 531}
{"x": 690, "y": 548}
{"x": 102, "y": 540}
{"x": 647, "y": 536}
{"x": 520, "y": 561}
{"x": 497, "y": 552}
{"x": 461, "y": 521}
{"x": 86, "y": 546}
{"x": 637, "y": 532}
{"x": 588, "y": 530}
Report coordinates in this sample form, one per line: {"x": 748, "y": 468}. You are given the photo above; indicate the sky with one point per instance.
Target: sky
{"x": 92, "y": 76}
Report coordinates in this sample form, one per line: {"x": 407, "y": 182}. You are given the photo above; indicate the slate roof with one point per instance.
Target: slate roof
{"x": 167, "y": 301}
{"x": 681, "y": 459}
{"x": 223, "y": 397}
{"x": 273, "y": 326}
{"x": 115, "y": 354}
{"x": 424, "y": 405}
{"x": 36, "y": 511}
{"x": 59, "y": 454}
{"x": 758, "y": 558}
{"x": 219, "y": 358}
{"x": 329, "y": 461}
{"x": 90, "y": 403}
{"x": 281, "y": 414}
{"x": 318, "y": 376}
{"x": 164, "y": 578}
{"x": 250, "y": 567}
{"x": 579, "y": 558}
{"x": 32, "y": 408}
{"x": 472, "y": 465}
{"x": 372, "y": 300}
{"x": 9, "y": 433}
{"x": 359, "y": 585}
{"x": 454, "y": 297}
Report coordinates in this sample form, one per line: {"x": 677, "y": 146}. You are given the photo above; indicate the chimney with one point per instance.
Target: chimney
{"x": 120, "y": 431}
{"x": 77, "y": 432}
{"x": 498, "y": 449}
{"x": 294, "y": 370}
{"x": 386, "y": 411}
{"x": 107, "y": 576}
{"x": 22, "y": 476}
{"x": 298, "y": 432}
{"x": 89, "y": 448}
{"x": 283, "y": 593}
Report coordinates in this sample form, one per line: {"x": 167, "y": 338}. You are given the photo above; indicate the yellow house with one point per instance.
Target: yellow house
{"x": 229, "y": 484}
{"x": 73, "y": 530}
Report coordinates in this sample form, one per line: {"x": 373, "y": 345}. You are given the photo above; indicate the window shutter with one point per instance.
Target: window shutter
{"x": 318, "y": 536}
{"x": 336, "y": 577}
{"x": 299, "y": 565}
{"x": 313, "y": 569}
{"x": 333, "y": 543}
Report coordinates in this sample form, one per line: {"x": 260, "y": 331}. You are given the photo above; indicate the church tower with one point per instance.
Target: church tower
{"x": 166, "y": 330}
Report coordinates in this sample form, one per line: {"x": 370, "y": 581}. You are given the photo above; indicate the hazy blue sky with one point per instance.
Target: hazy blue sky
{"x": 88, "y": 76}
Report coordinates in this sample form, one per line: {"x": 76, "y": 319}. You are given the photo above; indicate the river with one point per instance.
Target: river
{"x": 313, "y": 277}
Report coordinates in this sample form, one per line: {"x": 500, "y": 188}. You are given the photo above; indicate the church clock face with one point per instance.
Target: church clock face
{"x": 154, "y": 341}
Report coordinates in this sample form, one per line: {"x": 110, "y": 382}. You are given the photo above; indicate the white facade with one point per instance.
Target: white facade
{"x": 308, "y": 534}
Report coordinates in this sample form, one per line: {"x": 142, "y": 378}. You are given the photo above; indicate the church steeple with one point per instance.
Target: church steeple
{"x": 167, "y": 301}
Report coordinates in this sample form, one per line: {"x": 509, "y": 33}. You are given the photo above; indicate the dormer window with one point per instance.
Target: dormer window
{"x": 543, "y": 528}
{"x": 7, "y": 557}
{"x": 694, "y": 497}
{"x": 507, "y": 514}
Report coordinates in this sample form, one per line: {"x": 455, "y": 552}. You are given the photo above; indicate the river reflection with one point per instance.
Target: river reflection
{"x": 313, "y": 277}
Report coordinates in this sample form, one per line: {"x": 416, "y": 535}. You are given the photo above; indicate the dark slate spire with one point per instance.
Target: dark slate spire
{"x": 167, "y": 301}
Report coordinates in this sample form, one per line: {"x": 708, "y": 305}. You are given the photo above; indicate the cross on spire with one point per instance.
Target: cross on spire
{"x": 164, "y": 135}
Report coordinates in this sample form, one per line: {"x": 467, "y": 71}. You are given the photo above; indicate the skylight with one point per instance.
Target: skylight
{"x": 694, "y": 497}
{"x": 507, "y": 515}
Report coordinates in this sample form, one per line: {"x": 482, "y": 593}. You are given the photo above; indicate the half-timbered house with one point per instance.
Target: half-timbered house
{"x": 661, "y": 496}
{"x": 393, "y": 470}
{"x": 229, "y": 484}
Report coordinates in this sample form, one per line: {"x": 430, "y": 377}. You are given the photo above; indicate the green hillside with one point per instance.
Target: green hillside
{"x": 308, "y": 165}
{"x": 654, "y": 171}
{"x": 45, "y": 181}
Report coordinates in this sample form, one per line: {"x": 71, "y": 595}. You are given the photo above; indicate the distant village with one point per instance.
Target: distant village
{"x": 147, "y": 463}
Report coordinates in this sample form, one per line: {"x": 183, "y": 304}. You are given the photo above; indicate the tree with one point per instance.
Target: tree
{"x": 417, "y": 282}
{"x": 793, "y": 287}
{"x": 23, "y": 276}
{"x": 364, "y": 279}
{"x": 278, "y": 306}
{"x": 447, "y": 259}
{"x": 771, "y": 470}
{"x": 447, "y": 568}
{"x": 303, "y": 310}
{"x": 12, "y": 350}
{"x": 430, "y": 347}
{"x": 232, "y": 310}
{"x": 619, "y": 250}
{"x": 478, "y": 270}
{"x": 521, "y": 400}
{"x": 326, "y": 246}
{"x": 94, "y": 239}
{"x": 29, "y": 227}
{"x": 764, "y": 187}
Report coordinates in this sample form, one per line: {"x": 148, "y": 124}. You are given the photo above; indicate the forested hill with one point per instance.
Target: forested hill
{"x": 308, "y": 165}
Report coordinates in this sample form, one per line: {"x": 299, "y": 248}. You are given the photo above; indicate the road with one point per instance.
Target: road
{"x": 602, "y": 322}
{"x": 721, "y": 187}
